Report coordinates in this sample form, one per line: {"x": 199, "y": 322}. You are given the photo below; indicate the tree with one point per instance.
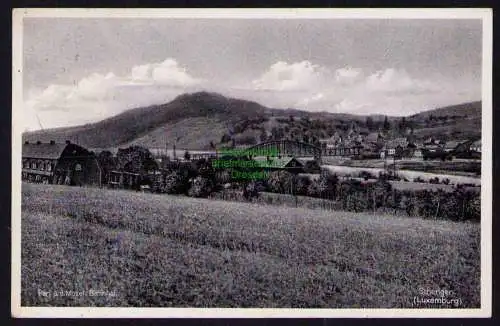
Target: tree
{"x": 175, "y": 183}
{"x": 247, "y": 140}
{"x": 201, "y": 187}
{"x": 263, "y": 136}
{"x": 250, "y": 190}
{"x": 291, "y": 118}
{"x": 302, "y": 185}
{"x": 135, "y": 159}
{"x": 225, "y": 138}
{"x": 274, "y": 133}
{"x": 280, "y": 181}
{"x": 402, "y": 125}
{"x": 107, "y": 162}
{"x": 187, "y": 156}
{"x": 281, "y": 133}
{"x": 369, "y": 124}
{"x": 387, "y": 124}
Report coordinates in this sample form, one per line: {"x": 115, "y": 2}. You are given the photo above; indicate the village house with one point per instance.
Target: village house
{"x": 334, "y": 146}
{"x": 463, "y": 147}
{"x": 370, "y": 149}
{"x": 58, "y": 163}
{"x": 431, "y": 141}
{"x": 330, "y": 143}
{"x": 450, "y": 146}
{"x": 476, "y": 146}
{"x": 417, "y": 153}
{"x": 287, "y": 163}
{"x": 394, "y": 147}
{"x": 375, "y": 138}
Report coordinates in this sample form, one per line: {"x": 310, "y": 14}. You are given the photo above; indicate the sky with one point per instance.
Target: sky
{"x": 82, "y": 70}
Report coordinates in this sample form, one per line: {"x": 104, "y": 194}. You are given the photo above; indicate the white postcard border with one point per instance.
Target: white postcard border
{"x": 486, "y": 176}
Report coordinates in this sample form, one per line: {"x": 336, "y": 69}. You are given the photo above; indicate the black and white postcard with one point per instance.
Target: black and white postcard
{"x": 252, "y": 163}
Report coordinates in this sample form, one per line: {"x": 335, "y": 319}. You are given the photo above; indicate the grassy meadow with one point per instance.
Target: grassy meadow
{"x": 168, "y": 251}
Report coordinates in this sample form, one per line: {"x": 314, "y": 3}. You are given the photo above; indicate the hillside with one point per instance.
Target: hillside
{"x": 456, "y": 122}
{"x": 135, "y": 123}
{"x": 195, "y": 120}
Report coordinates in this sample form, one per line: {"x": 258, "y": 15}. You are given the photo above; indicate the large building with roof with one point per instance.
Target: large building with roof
{"x": 57, "y": 163}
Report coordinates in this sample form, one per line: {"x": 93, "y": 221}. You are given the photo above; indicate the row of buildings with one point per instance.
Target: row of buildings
{"x": 375, "y": 145}
{"x": 71, "y": 164}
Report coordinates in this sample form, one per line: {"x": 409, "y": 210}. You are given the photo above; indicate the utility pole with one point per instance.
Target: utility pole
{"x": 394, "y": 164}
{"x": 39, "y": 122}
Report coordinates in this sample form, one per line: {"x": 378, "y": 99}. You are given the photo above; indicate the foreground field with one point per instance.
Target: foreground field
{"x": 157, "y": 250}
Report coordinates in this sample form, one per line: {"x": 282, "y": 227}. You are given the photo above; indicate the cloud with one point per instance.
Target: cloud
{"x": 167, "y": 73}
{"x": 398, "y": 81}
{"x": 309, "y": 86}
{"x": 281, "y": 76}
{"x": 312, "y": 99}
{"x": 348, "y": 75}
{"x": 99, "y": 96}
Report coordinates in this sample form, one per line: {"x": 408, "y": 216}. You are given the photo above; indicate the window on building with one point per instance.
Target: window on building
{"x": 33, "y": 165}
{"x": 41, "y": 165}
{"x": 49, "y": 167}
{"x": 78, "y": 167}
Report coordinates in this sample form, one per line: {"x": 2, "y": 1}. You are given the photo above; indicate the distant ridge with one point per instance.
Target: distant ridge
{"x": 194, "y": 120}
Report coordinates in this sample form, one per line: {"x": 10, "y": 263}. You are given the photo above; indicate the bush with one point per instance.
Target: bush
{"x": 434, "y": 180}
{"x": 200, "y": 187}
{"x": 366, "y": 175}
{"x": 246, "y": 140}
{"x": 313, "y": 189}
{"x": 474, "y": 208}
{"x": 302, "y": 185}
{"x": 280, "y": 182}
{"x": 250, "y": 191}
{"x": 419, "y": 180}
{"x": 324, "y": 187}
{"x": 222, "y": 177}
{"x": 175, "y": 183}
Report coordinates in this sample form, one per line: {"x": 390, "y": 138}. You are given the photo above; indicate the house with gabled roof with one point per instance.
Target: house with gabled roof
{"x": 452, "y": 145}
{"x": 274, "y": 163}
{"x": 476, "y": 146}
{"x": 395, "y": 147}
{"x": 58, "y": 163}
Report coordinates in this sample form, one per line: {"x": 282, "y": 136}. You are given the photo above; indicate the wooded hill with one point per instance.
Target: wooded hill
{"x": 195, "y": 120}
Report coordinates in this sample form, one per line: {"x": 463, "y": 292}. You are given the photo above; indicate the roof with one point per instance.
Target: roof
{"x": 452, "y": 144}
{"x": 306, "y": 159}
{"x": 276, "y": 162}
{"x": 372, "y": 137}
{"x": 393, "y": 143}
{"x": 332, "y": 140}
{"x": 44, "y": 150}
{"x": 370, "y": 146}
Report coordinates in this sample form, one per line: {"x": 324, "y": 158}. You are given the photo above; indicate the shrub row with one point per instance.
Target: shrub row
{"x": 354, "y": 195}
{"x": 346, "y": 194}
